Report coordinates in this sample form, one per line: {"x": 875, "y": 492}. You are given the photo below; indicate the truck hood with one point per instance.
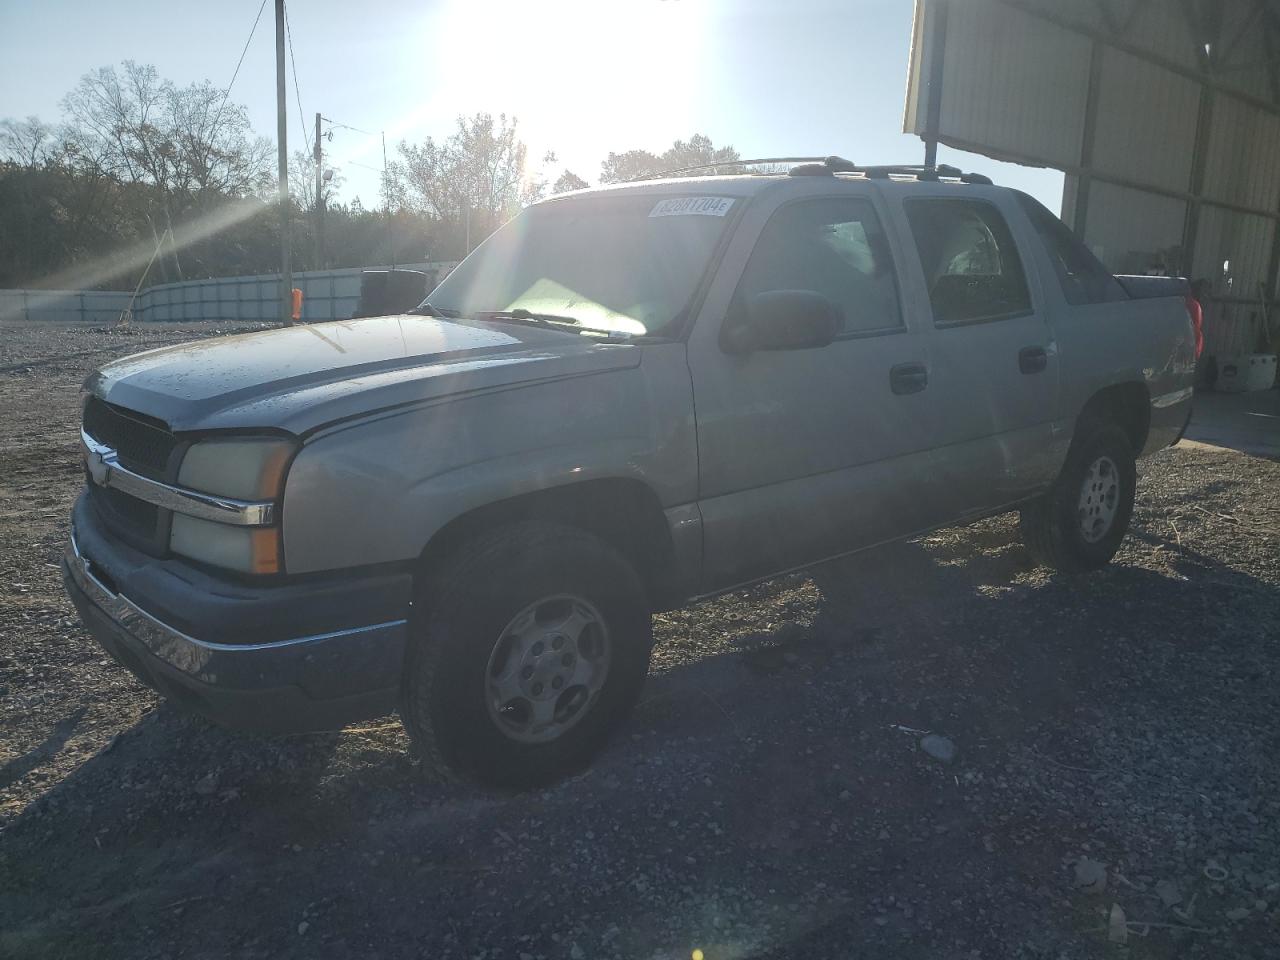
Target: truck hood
{"x": 301, "y": 378}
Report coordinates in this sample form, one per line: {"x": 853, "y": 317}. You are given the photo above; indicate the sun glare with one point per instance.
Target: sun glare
{"x": 583, "y": 76}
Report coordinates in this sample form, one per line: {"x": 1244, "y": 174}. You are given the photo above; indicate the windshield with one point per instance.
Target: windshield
{"x": 629, "y": 264}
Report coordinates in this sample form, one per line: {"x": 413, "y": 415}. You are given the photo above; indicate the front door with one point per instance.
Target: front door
{"x": 808, "y": 453}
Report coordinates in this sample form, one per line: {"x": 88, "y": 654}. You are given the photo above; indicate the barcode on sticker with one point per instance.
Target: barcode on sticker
{"x": 692, "y": 206}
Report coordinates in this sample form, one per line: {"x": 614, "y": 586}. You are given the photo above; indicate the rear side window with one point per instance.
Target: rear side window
{"x": 970, "y": 262}
{"x": 835, "y": 247}
{"x": 1082, "y": 276}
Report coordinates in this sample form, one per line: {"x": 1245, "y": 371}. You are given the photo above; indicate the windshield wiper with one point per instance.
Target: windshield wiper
{"x": 427, "y": 310}
{"x": 553, "y": 321}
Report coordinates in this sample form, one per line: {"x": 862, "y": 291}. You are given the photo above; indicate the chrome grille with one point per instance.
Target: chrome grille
{"x": 144, "y": 444}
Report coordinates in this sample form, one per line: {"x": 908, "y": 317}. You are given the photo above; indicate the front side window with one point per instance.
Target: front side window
{"x": 970, "y": 261}
{"x": 1082, "y": 276}
{"x": 630, "y": 264}
{"x": 835, "y": 247}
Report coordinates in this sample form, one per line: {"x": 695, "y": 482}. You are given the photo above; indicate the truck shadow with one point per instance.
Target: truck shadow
{"x": 17, "y": 768}
{"x": 754, "y": 738}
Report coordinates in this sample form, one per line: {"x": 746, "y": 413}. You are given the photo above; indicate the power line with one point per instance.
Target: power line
{"x": 345, "y": 126}
{"x": 226, "y": 93}
{"x": 302, "y": 117}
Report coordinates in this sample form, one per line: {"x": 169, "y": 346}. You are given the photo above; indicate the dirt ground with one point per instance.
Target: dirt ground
{"x": 1115, "y": 775}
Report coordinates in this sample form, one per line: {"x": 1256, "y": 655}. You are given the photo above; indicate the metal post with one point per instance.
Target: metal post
{"x": 386, "y": 193}
{"x": 1273, "y": 266}
{"x": 1084, "y": 181}
{"x": 282, "y": 140}
{"x": 386, "y": 201}
{"x": 936, "y": 34}
{"x": 319, "y": 200}
{"x": 1199, "y": 156}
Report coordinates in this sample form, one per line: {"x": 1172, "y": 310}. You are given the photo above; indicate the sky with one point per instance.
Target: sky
{"x": 584, "y": 77}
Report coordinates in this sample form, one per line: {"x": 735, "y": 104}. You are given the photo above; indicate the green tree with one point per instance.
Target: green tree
{"x": 568, "y": 181}
{"x": 633, "y": 164}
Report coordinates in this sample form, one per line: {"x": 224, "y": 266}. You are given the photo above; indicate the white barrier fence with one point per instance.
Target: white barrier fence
{"x": 62, "y": 306}
{"x": 327, "y": 295}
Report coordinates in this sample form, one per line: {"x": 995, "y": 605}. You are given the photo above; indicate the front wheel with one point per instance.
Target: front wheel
{"x": 1079, "y": 523}
{"x": 530, "y": 649}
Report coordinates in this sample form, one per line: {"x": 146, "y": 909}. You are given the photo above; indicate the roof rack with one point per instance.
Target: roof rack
{"x": 829, "y": 166}
{"x": 723, "y": 163}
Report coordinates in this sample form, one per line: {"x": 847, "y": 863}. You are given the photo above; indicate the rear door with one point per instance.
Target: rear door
{"x": 994, "y": 363}
{"x": 808, "y": 453}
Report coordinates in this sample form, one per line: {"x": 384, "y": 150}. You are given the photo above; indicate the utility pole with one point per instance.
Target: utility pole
{"x": 386, "y": 201}
{"x": 282, "y": 139}
{"x": 319, "y": 200}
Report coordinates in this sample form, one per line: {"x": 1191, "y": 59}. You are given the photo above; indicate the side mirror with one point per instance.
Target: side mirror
{"x": 783, "y": 320}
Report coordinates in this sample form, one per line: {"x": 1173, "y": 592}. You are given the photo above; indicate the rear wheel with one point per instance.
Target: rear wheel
{"x": 1079, "y": 524}
{"x": 530, "y": 649}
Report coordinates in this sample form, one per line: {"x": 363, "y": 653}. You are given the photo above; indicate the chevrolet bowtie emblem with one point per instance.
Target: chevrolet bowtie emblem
{"x": 99, "y": 467}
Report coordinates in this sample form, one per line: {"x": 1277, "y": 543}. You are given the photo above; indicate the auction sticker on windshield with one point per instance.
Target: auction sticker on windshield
{"x": 692, "y": 206}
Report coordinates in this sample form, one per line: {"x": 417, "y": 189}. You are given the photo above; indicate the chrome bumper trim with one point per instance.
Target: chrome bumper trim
{"x": 105, "y": 470}
{"x": 172, "y": 645}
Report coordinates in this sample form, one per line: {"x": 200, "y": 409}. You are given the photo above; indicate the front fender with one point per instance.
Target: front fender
{"x": 377, "y": 492}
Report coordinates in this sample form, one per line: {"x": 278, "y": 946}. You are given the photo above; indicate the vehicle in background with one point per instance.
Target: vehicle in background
{"x": 626, "y": 399}
{"x": 384, "y": 292}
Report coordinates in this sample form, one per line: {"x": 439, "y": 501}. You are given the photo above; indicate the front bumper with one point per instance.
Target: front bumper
{"x": 240, "y": 666}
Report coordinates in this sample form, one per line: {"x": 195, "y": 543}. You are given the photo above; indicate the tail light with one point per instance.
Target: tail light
{"x": 1196, "y": 313}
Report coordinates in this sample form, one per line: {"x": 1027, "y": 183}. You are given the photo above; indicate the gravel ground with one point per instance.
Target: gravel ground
{"x": 1114, "y": 773}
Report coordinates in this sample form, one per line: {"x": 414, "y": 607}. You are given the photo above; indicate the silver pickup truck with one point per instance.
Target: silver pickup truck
{"x": 624, "y": 400}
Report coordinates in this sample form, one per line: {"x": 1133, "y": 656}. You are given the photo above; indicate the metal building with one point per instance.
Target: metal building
{"x": 1163, "y": 114}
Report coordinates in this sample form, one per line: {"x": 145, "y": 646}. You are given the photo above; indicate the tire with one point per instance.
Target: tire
{"x": 484, "y": 632}
{"x": 1073, "y": 529}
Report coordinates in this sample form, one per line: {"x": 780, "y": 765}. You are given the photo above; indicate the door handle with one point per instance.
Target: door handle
{"x": 908, "y": 378}
{"x": 1033, "y": 359}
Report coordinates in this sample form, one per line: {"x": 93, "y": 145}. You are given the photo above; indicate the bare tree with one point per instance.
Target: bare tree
{"x": 481, "y": 172}
{"x": 302, "y": 181}
{"x": 30, "y": 143}
{"x": 184, "y": 152}
{"x": 187, "y": 142}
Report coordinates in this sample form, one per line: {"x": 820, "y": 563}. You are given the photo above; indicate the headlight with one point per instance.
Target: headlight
{"x": 250, "y": 468}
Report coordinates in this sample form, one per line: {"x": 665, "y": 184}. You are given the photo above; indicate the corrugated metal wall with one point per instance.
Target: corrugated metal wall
{"x": 1169, "y": 134}
{"x": 1134, "y": 231}
{"x": 1016, "y": 63}
{"x": 1146, "y": 126}
{"x": 1243, "y": 159}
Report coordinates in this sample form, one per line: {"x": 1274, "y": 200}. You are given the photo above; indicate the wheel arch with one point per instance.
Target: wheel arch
{"x": 623, "y": 512}
{"x": 1128, "y": 405}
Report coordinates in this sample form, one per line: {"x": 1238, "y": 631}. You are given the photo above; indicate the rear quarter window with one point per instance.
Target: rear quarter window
{"x": 1081, "y": 275}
